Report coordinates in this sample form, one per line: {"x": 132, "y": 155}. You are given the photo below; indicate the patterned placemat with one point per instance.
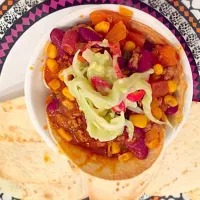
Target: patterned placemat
{"x": 181, "y": 17}
{"x": 176, "y": 15}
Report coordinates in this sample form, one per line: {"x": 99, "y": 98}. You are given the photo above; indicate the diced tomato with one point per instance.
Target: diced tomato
{"x": 119, "y": 108}
{"x": 107, "y": 15}
{"x": 137, "y": 38}
{"x": 155, "y": 59}
{"x": 159, "y": 88}
{"x": 98, "y": 16}
{"x": 136, "y": 96}
{"x": 154, "y": 103}
{"x": 69, "y": 41}
{"x": 101, "y": 85}
{"x": 122, "y": 43}
{"x": 80, "y": 46}
{"x": 117, "y": 33}
{"x": 165, "y": 54}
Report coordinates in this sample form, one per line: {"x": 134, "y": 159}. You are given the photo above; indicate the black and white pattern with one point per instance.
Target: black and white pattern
{"x": 185, "y": 28}
{"x": 198, "y": 65}
{"x": 15, "y": 12}
{"x": 175, "y": 18}
{"x": 32, "y": 3}
{"x": 154, "y": 3}
{"x": 170, "y": 197}
{"x": 165, "y": 9}
{"x": 20, "y": 8}
{"x": 9, "y": 17}
{"x": 3, "y": 27}
{"x": 196, "y": 52}
{"x": 7, "y": 197}
{"x": 191, "y": 40}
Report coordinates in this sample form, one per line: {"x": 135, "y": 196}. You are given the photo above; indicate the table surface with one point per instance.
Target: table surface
{"x": 183, "y": 14}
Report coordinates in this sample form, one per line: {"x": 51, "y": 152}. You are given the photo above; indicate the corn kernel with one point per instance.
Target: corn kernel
{"x": 115, "y": 149}
{"x": 129, "y": 46}
{"x": 60, "y": 75}
{"x": 68, "y": 104}
{"x": 170, "y": 100}
{"x": 64, "y": 134}
{"x": 153, "y": 144}
{"x": 158, "y": 69}
{"x": 102, "y": 27}
{"x": 55, "y": 84}
{"x": 157, "y": 113}
{"x": 52, "y": 65}
{"x": 172, "y": 86}
{"x": 151, "y": 135}
{"x": 125, "y": 157}
{"x": 152, "y": 138}
{"x": 164, "y": 117}
{"x": 154, "y": 103}
{"x": 52, "y": 51}
{"x": 67, "y": 94}
{"x": 109, "y": 150}
{"x": 139, "y": 120}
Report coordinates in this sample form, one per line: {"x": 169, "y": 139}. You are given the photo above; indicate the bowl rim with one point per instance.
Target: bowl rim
{"x": 140, "y": 16}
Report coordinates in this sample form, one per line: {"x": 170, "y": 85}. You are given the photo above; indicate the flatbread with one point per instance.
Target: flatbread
{"x": 31, "y": 170}
{"x": 194, "y": 194}
{"x": 41, "y": 191}
{"x": 180, "y": 170}
{"x": 15, "y": 124}
{"x": 130, "y": 189}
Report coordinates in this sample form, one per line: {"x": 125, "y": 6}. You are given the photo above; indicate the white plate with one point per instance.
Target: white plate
{"x": 35, "y": 91}
{"x": 12, "y": 76}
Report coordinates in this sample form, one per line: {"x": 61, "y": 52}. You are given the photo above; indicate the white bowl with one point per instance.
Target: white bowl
{"x": 36, "y": 92}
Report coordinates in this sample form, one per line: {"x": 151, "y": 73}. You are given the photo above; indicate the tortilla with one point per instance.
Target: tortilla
{"x": 54, "y": 178}
{"x": 181, "y": 162}
{"x": 41, "y": 191}
{"x": 13, "y": 127}
{"x": 194, "y": 194}
{"x": 130, "y": 189}
{"x": 112, "y": 168}
{"x": 180, "y": 176}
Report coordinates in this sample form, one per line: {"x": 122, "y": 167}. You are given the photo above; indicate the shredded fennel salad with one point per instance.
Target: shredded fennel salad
{"x": 103, "y": 122}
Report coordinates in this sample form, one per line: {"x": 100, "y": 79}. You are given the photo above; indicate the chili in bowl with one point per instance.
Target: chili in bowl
{"x": 114, "y": 86}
